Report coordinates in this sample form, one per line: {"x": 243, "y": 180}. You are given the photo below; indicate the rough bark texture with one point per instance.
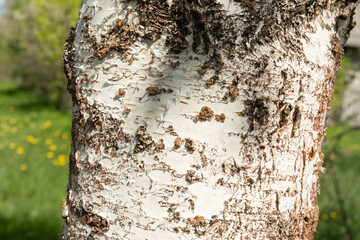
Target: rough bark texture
{"x": 200, "y": 119}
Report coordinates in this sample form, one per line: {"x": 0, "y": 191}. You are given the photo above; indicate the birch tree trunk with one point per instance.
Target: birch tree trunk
{"x": 200, "y": 119}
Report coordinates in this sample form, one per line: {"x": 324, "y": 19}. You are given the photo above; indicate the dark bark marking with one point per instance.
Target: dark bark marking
{"x": 205, "y": 114}
{"x": 256, "y": 111}
{"x": 198, "y": 223}
{"x": 285, "y": 115}
{"x": 190, "y": 145}
{"x": 178, "y": 142}
{"x": 174, "y": 64}
{"x": 180, "y": 19}
{"x": 95, "y": 221}
{"x": 152, "y": 91}
{"x": 154, "y": 16}
{"x": 289, "y": 228}
{"x": 190, "y": 177}
{"x": 233, "y": 89}
{"x": 159, "y": 146}
{"x": 120, "y": 93}
{"x": 99, "y": 122}
{"x": 232, "y": 168}
{"x": 296, "y": 120}
{"x": 119, "y": 38}
{"x": 69, "y": 69}
{"x": 220, "y": 117}
{"x": 212, "y": 80}
{"x": 143, "y": 140}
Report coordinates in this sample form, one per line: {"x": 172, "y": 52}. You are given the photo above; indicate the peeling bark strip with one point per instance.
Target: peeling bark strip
{"x": 200, "y": 119}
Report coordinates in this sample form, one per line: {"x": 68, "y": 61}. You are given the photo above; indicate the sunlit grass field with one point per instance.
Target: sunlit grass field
{"x": 34, "y": 149}
{"x": 339, "y": 198}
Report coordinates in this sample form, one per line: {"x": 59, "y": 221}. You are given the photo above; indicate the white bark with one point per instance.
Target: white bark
{"x": 152, "y": 156}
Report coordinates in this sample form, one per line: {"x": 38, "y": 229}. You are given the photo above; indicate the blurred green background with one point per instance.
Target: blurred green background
{"x": 36, "y": 123}
{"x": 35, "y": 116}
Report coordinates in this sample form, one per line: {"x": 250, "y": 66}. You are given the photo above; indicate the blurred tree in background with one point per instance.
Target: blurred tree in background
{"x": 33, "y": 45}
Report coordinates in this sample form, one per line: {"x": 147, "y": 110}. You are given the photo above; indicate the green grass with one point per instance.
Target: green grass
{"x": 343, "y": 163}
{"x": 33, "y": 183}
{"x": 34, "y": 149}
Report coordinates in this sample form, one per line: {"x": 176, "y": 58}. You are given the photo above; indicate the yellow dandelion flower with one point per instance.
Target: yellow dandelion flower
{"x": 23, "y": 167}
{"x": 12, "y": 145}
{"x": 11, "y": 109}
{"x": 14, "y": 130}
{"x": 56, "y": 133}
{"x": 52, "y": 147}
{"x": 49, "y": 154}
{"x": 12, "y": 120}
{"x": 63, "y": 146}
{"x": 64, "y": 136}
{"x": 46, "y": 124}
{"x": 62, "y": 160}
{"x": 56, "y": 162}
{"x": 48, "y": 141}
{"x": 333, "y": 214}
{"x": 32, "y": 125}
{"x": 30, "y": 138}
{"x": 325, "y": 217}
{"x": 35, "y": 141}
{"x": 20, "y": 151}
